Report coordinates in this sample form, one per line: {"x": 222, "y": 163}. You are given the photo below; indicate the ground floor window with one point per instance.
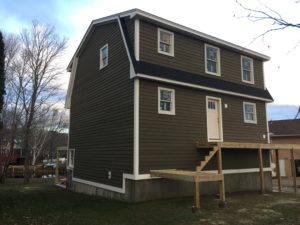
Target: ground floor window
{"x": 250, "y": 112}
{"x": 166, "y": 101}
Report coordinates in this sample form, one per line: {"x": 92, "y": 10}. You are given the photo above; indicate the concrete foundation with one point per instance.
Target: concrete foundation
{"x": 144, "y": 190}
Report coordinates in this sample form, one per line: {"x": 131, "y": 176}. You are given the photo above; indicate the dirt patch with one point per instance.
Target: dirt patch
{"x": 245, "y": 221}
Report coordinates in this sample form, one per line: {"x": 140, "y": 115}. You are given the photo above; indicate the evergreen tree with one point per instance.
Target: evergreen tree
{"x": 2, "y": 77}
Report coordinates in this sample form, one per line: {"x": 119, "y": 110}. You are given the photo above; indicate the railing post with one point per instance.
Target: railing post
{"x": 220, "y": 171}
{"x": 293, "y": 167}
{"x": 261, "y": 171}
{"x": 278, "y": 175}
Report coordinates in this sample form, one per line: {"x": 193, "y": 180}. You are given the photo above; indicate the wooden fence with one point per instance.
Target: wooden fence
{"x": 36, "y": 171}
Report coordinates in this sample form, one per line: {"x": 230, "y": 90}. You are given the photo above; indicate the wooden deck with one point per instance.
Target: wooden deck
{"x": 198, "y": 176}
{"x": 185, "y": 175}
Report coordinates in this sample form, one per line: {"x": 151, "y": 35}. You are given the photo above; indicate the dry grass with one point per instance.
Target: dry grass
{"x": 43, "y": 204}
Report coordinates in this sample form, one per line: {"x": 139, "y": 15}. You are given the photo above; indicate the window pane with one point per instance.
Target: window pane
{"x": 165, "y": 37}
{"x": 165, "y": 106}
{"x": 246, "y": 75}
{"x": 164, "y": 47}
{"x": 246, "y": 64}
{"x": 211, "y": 66}
{"x": 249, "y": 112}
{"x": 165, "y": 95}
{"x": 211, "y": 54}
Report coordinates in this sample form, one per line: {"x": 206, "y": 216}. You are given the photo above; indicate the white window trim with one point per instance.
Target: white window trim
{"x": 218, "y": 60}
{"x": 251, "y": 72}
{"x": 221, "y": 118}
{"x": 172, "y": 112}
{"x": 254, "y": 110}
{"x": 172, "y": 42}
{"x": 69, "y": 161}
{"x": 101, "y": 61}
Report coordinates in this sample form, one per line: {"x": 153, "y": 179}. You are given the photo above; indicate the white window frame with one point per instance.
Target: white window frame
{"x": 71, "y": 162}
{"x": 251, "y": 71}
{"x": 172, "y": 111}
{"x": 101, "y": 57}
{"x": 171, "y": 53}
{"x": 218, "y": 73}
{"x": 254, "y": 112}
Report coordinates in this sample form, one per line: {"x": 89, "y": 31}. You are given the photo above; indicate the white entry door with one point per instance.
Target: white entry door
{"x": 282, "y": 167}
{"x": 214, "y": 119}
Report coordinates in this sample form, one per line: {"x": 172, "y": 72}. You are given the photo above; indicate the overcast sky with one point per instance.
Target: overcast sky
{"x": 219, "y": 18}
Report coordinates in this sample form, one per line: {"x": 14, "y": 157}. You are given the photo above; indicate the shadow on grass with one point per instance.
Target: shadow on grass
{"x": 46, "y": 204}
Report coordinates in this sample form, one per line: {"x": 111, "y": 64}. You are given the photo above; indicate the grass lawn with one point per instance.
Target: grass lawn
{"x": 45, "y": 204}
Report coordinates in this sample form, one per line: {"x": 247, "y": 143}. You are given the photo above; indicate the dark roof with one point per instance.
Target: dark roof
{"x": 285, "y": 127}
{"x": 201, "y": 80}
{"x": 190, "y": 78}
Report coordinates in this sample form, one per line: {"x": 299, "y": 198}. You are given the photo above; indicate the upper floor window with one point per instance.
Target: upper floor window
{"x": 166, "y": 101}
{"x": 71, "y": 158}
{"x": 212, "y": 60}
{"x": 104, "y": 56}
{"x": 249, "y": 112}
{"x": 165, "y": 42}
{"x": 247, "y": 70}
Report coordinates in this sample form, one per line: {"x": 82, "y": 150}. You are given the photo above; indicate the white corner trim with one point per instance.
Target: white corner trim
{"x": 137, "y": 39}
{"x": 268, "y": 130}
{"x": 136, "y": 132}
{"x": 125, "y": 44}
{"x": 149, "y": 77}
{"x": 71, "y": 83}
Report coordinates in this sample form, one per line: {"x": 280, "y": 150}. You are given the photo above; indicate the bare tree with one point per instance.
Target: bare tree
{"x": 12, "y": 110}
{"x": 266, "y": 13}
{"x": 54, "y": 121}
{"x": 41, "y": 48}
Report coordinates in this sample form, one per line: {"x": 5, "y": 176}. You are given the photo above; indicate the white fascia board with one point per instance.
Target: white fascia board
{"x": 129, "y": 13}
{"x": 200, "y": 34}
{"x": 149, "y": 77}
{"x": 71, "y": 83}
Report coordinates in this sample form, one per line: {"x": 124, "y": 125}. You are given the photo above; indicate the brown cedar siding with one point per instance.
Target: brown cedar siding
{"x": 168, "y": 141}
{"x": 101, "y": 128}
{"x": 189, "y": 55}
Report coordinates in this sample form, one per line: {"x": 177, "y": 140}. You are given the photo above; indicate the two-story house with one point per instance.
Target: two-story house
{"x": 143, "y": 90}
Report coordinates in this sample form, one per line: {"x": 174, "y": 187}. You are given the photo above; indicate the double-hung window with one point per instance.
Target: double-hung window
{"x": 212, "y": 60}
{"x": 250, "y": 112}
{"x": 104, "y": 56}
{"x": 71, "y": 158}
{"x": 165, "y": 42}
{"x": 166, "y": 101}
{"x": 247, "y": 70}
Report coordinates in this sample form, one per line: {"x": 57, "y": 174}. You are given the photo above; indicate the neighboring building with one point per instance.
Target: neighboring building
{"x": 286, "y": 132}
{"x": 143, "y": 90}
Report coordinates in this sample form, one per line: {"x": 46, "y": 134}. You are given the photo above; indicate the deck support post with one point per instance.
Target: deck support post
{"x": 220, "y": 171}
{"x": 197, "y": 194}
{"x": 57, "y": 167}
{"x": 293, "y": 169}
{"x": 278, "y": 175}
{"x": 261, "y": 171}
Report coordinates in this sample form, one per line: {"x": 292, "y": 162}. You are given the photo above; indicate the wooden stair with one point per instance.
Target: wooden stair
{"x": 207, "y": 159}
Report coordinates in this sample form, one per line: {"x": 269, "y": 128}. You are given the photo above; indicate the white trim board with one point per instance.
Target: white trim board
{"x": 149, "y": 77}
{"x": 148, "y": 176}
{"x": 136, "y": 126}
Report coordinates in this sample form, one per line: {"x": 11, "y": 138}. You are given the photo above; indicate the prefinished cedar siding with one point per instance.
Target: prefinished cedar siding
{"x": 101, "y": 128}
{"x": 168, "y": 141}
{"x": 189, "y": 55}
